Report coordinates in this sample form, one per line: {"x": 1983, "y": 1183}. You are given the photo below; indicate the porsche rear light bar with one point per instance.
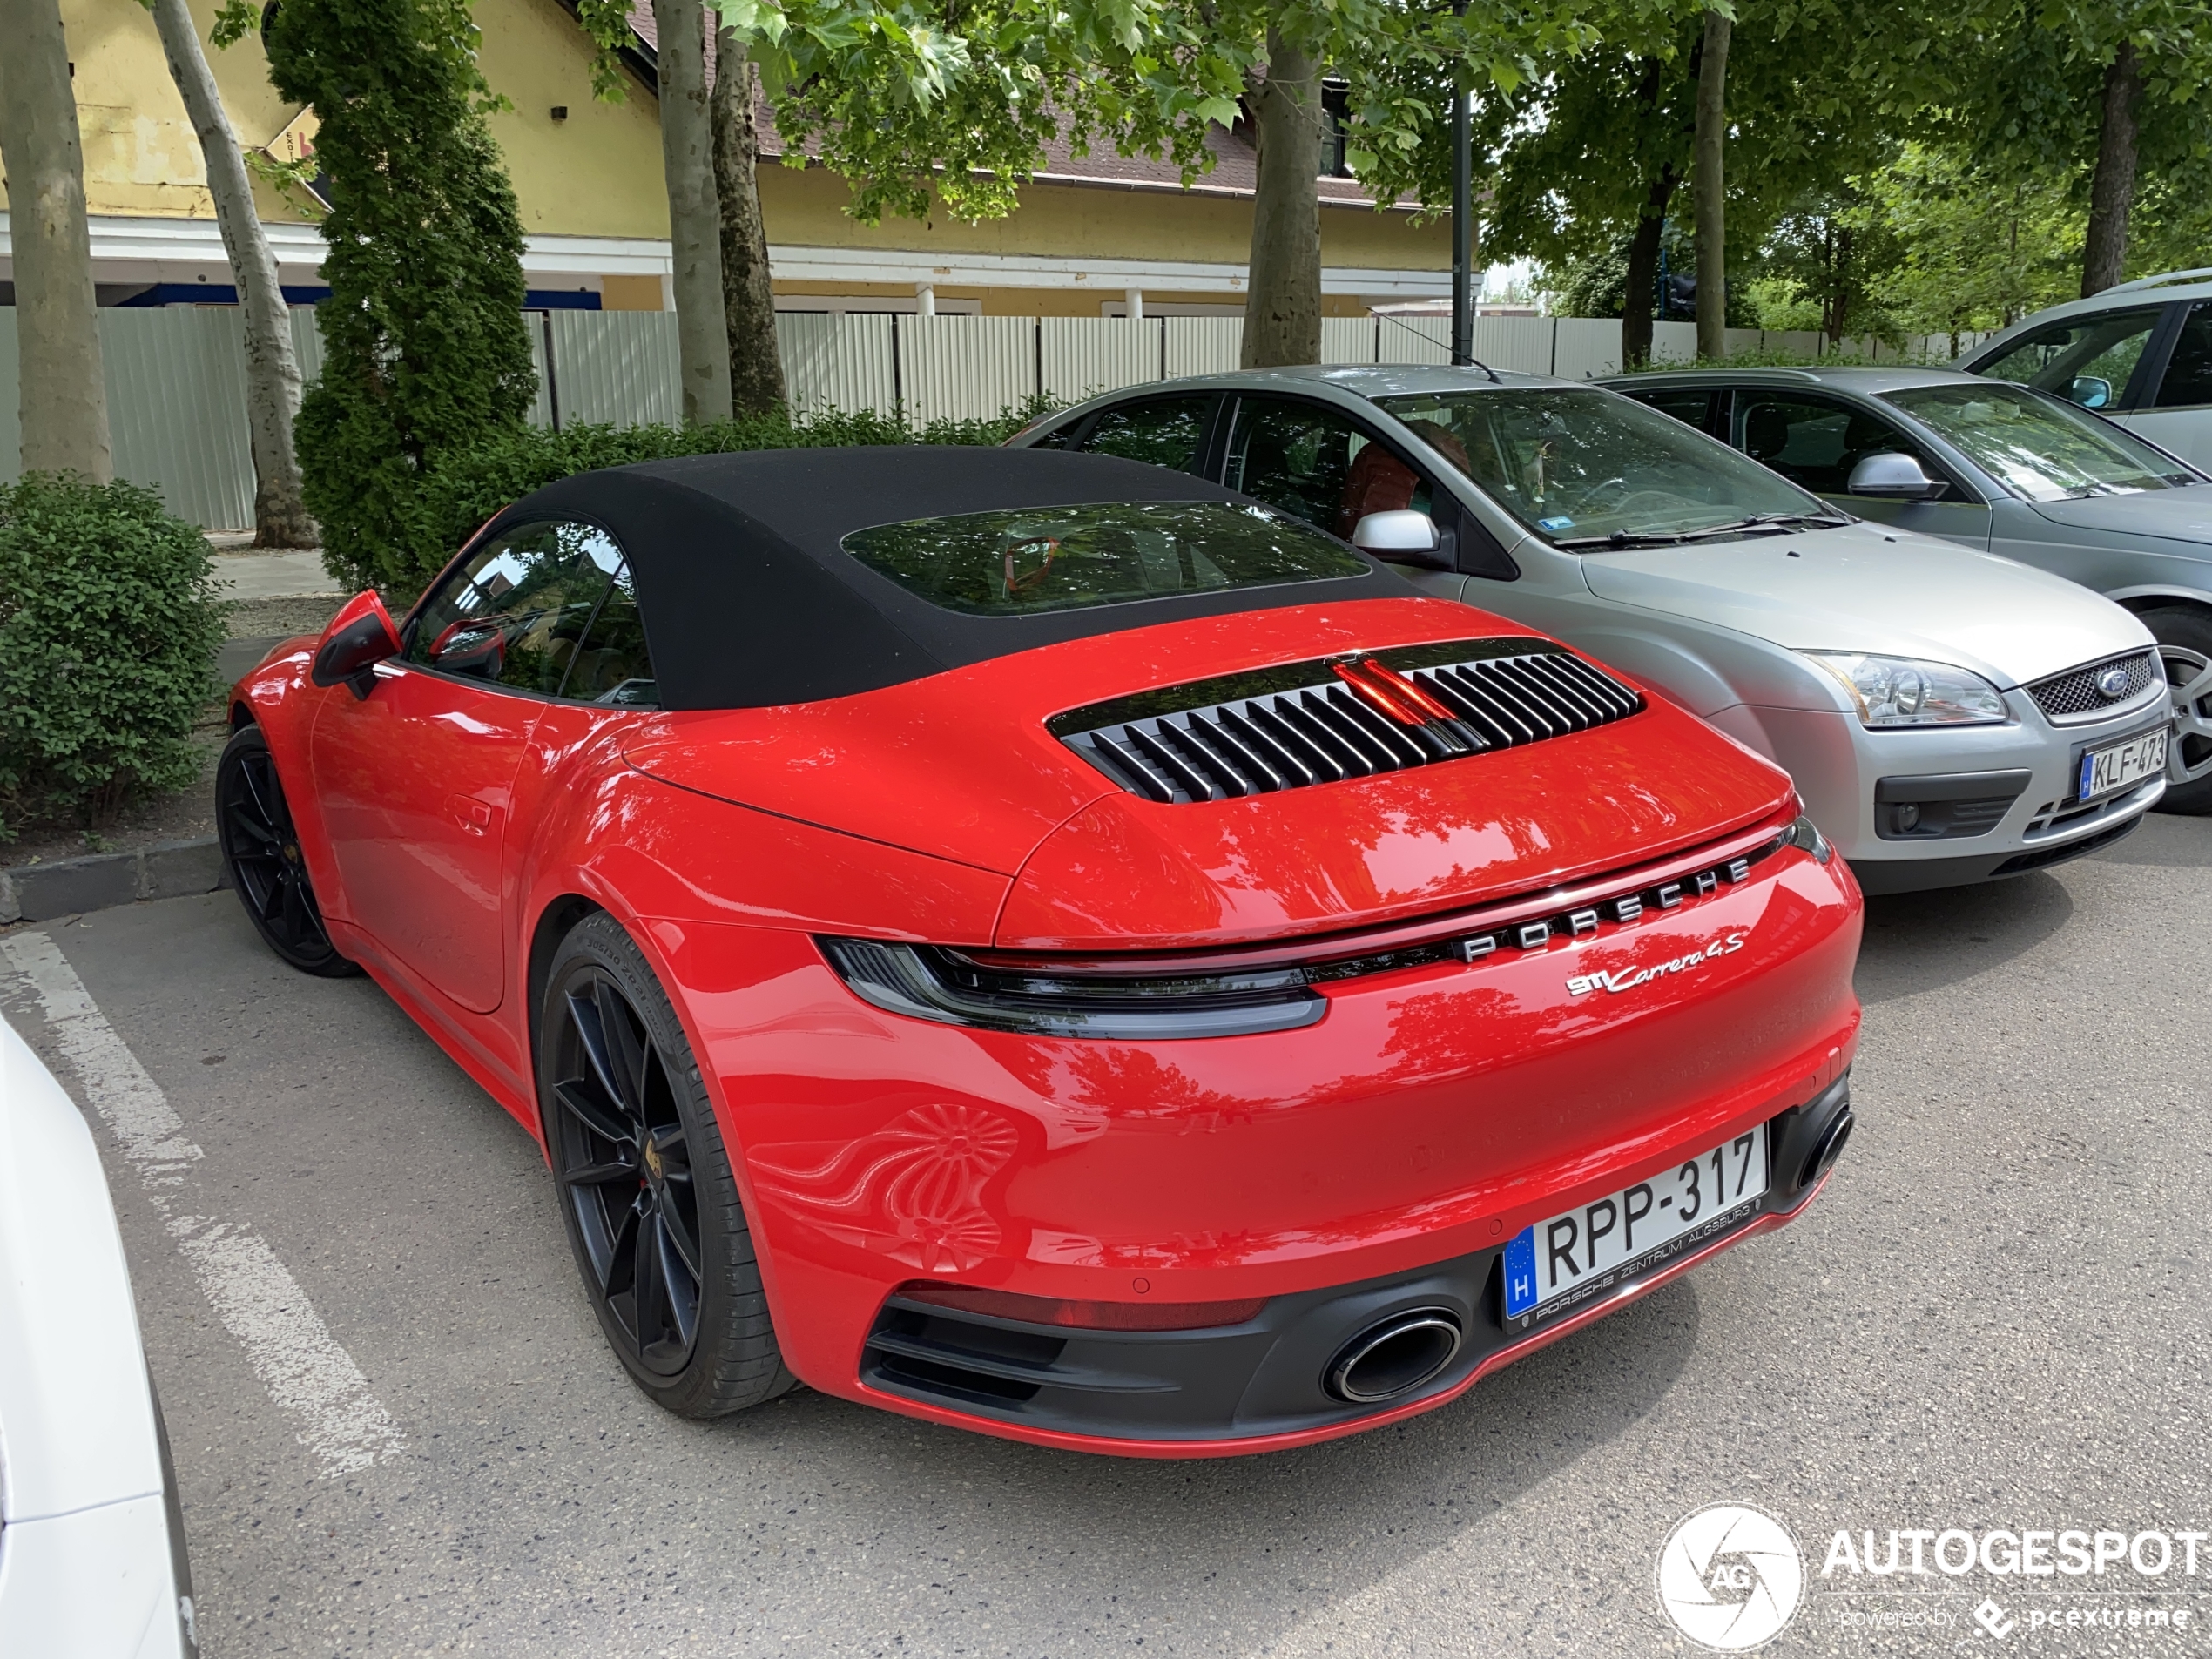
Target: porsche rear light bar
{"x": 933, "y": 983}
{"x": 1141, "y": 998}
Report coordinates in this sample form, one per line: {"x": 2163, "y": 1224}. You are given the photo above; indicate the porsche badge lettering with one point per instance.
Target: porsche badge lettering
{"x": 1627, "y": 907}
{"x": 1627, "y": 979}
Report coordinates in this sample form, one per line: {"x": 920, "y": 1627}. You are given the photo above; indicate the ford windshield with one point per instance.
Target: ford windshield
{"x": 1590, "y": 471}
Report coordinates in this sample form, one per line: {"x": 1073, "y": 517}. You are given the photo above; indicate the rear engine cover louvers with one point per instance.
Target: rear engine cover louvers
{"x": 1334, "y": 717}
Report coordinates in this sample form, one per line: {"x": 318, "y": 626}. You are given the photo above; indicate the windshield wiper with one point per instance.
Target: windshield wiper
{"x": 1755, "y": 522}
{"x": 1618, "y": 538}
{"x": 1768, "y": 521}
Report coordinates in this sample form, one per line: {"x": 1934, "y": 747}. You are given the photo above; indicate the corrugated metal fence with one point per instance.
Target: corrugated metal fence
{"x": 176, "y": 378}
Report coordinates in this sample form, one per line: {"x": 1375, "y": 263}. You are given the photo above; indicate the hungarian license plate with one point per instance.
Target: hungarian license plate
{"x": 1585, "y": 1251}
{"x": 2106, "y": 772}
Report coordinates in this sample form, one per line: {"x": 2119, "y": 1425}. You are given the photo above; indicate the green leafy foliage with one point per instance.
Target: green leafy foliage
{"x": 424, "y": 350}
{"x": 470, "y": 484}
{"x": 109, "y": 625}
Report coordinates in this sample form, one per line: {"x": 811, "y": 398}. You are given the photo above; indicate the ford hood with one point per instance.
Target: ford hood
{"x": 1864, "y": 589}
{"x": 2182, "y": 515}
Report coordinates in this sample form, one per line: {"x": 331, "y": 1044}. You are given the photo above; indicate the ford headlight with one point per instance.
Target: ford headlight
{"x": 1892, "y": 692}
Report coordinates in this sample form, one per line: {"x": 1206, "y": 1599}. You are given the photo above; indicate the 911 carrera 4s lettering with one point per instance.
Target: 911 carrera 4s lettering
{"x": 1623, "y": 979}
{"x": 1038, "y": 943}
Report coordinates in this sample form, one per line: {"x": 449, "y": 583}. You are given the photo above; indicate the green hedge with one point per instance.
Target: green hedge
{"x": 468, "y": 485}
{"x": 109, "y": 626}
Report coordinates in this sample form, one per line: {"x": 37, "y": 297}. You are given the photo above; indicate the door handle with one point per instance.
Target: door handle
{"x": 473, "y": 815}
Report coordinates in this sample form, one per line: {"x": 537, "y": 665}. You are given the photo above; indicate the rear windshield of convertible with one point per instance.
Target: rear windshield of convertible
{"x": 1017, "y": 562}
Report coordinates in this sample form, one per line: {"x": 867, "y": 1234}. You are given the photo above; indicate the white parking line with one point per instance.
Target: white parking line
{"x": 290, "y": 1349}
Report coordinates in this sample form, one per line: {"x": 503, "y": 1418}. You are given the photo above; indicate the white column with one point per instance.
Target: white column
{"x": 926, "y": 292}
{"x": 1136, "y": 299}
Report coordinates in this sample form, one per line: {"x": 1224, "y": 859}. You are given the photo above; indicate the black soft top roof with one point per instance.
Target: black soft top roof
{"x": 748, "y": 600}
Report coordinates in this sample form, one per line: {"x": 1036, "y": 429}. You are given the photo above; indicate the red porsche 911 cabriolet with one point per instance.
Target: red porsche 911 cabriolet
{"x": 1044, "y": 944}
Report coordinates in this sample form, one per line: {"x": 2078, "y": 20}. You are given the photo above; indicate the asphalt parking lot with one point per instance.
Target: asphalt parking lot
{"x": 1997, "y": 1316}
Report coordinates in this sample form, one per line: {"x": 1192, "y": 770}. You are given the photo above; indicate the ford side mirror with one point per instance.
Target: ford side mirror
{"x": 2090, "y": 391}
{"x": 1401, "y": 536}
{"x": 1893, "y": 476}
{"x": 360, "y": 637}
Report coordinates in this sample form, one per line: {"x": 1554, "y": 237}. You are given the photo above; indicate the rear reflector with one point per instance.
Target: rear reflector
{"x": 1087, "y": 1316}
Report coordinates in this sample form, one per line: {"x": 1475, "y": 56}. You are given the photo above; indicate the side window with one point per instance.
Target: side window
{"x": 1816, "y": 443}
{"x": 1298, "y": 459}
{"x": 610, "y": 665}
{"x": 1164, "y": 431}
{"x": 2187, "y": 380}
{"x": 514, "y": 614}
{"x": 1691, "y": 407}
{"x": 2086, "y": 360}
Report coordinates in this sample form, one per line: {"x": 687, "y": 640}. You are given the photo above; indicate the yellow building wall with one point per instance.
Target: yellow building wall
{"x": 805, "y": 207}
{"x": 597, "y": 173}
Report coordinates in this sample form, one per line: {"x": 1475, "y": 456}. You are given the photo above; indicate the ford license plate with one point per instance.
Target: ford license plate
{"x": 2106, "y": 772}
{"x": 1583, "y": 1252}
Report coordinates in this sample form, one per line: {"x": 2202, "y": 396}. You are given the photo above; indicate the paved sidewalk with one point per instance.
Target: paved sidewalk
{"x": 293, "y": 574}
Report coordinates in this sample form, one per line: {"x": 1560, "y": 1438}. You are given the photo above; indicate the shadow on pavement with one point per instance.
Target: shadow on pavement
{"x": 1922, "y": 941}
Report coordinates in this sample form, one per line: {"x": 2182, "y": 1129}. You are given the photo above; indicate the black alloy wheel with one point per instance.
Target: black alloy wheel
{"x": 651, "y": 1207}
{"x": 254, "y": 825}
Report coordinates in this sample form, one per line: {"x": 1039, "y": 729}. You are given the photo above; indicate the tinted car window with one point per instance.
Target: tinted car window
{"x": 1588, "y": 469}
{"x": 610, "y": 664}
{"x": 1812, "y": 442}
{"x": 1061, "y": 558}
{"x": 1165, "y": 432}
{"x": 514, "y": 611}
{"x": 1320, "y": 466}
{"x": 1690, "y": 407}
{"x": 2187, "y": 380}
{"x": 2084, "y": 360}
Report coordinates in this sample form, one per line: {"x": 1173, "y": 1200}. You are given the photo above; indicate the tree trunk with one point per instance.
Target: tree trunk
{"x": 1643, "y": 271}
{"x": 1283, "y": 309}
{"x": 2112, "y": 192}
{"x": 748, "y": 300}
{"x": 694, "y": 217}
{"x": 63, "y": 395}
{"x": 272, "y": 368}
{"x": 1709, "y": 174}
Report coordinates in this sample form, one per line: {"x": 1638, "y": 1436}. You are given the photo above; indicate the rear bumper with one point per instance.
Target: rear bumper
{"x": 1436, "y": 1110}
{"x": 1262, "y": 1385}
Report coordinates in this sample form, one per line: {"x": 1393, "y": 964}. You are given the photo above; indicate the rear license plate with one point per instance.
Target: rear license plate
{"x": 1587, "y": 1250}
{"x": 2106, "y": 772}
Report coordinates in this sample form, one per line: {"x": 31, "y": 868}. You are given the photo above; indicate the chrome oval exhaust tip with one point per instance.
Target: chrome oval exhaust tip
{"x": 1394, "y": 1356}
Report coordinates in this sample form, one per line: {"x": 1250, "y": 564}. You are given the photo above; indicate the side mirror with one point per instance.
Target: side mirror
{"x": 360, "y": 637}
{"x": 1893, "y": 476}
{"x": 2090, "y": 391}
{"x": 1401, "y": 536}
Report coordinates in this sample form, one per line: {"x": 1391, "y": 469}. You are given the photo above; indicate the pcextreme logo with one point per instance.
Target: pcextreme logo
{"x": 1627, "y": 979}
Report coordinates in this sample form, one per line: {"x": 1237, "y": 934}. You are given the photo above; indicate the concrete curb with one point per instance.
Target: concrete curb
{"x": 72, "y": 887}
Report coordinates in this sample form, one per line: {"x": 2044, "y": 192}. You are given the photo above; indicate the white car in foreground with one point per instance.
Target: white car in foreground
{"x": 92, "y": 1544}
{"x": 1948, "y": 716}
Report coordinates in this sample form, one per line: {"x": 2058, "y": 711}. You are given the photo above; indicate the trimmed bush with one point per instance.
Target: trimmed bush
{"x": 468, "y": 485}
{"x": 109, "y": 625}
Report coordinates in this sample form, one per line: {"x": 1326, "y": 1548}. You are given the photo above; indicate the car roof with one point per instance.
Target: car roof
{"x": 749, "y": 599}
{"x": 2163, "y": 289}
{"x": 1407, "y": 379}
{"x": 1867, "y": 380}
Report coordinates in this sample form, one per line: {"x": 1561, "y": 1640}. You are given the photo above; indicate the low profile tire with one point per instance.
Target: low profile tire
{"x": 261, "y": 851}
{"x": 2185, "y": 646}
{"x": 645, "y": 1188}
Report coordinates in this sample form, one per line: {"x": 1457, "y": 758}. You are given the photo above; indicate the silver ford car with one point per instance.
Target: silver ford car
{"x": 1948, "y": 716}
{"x": 2009, "y": 469}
